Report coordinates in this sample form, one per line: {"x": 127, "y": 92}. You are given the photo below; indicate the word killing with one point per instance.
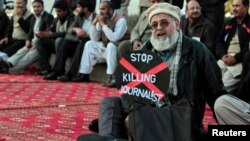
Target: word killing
{"x": 138, "y": 77}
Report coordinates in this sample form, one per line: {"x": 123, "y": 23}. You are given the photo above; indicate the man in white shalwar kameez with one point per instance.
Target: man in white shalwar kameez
{"x": 106, "y": 31}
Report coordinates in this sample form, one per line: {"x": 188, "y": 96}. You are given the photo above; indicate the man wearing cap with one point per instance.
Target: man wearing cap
{"x": 194, "y": 73}
{"x": 28, "y": 54}
{"x": 140, "y": 33}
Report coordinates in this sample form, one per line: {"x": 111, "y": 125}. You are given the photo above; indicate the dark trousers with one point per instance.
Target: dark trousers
{"x": 112, "y": 118}
{"x": 45, "y": 48}
{"x": 69, "y": 49}
{"x": 12, "y": 47}
{"x": 76, "y": 60}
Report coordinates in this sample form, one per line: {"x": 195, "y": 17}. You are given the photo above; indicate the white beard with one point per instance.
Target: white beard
{"x": 164, "y": 43}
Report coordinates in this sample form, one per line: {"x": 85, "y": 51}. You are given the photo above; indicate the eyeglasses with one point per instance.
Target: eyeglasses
{"x": 163, "y": 24}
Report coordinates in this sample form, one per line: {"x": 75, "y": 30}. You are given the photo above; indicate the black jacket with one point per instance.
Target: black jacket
{"x": 45, "y": 24}
{"x": 69, "y": 18}
{"x": 202, "y": 28}
{"x": 199, "y": 78}
{"x": 24, "y": 23}
{"x": 228, "y": 32}
{"x": 244, "y": 89}
{"x": 78, "y": 22}
{"x": 4, "y": 22}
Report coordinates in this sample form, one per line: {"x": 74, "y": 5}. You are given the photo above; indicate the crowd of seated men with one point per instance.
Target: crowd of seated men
{"x": 90, "y": 38}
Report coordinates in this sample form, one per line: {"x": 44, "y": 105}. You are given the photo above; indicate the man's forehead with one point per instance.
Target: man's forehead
{"x": 193, "y": 3}
{"x": 160, "y": 17}
{"x": 103, "y": 5}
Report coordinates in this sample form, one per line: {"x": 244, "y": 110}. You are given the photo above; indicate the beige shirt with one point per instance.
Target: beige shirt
{"x": 234, "y": 46}
{"x": 18, "y": 32}
{"x": 144, "y": 3}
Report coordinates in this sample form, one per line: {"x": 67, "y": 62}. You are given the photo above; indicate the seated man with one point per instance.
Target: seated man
{"x": 50, "y": 41}
{"x": 28, "y": 54}
{"x": 106, "y": 31}
{"x": 235, "y": 110}
{"x": 18, "y": 29}
{"x": 194, "y": 73}
{"x": 196, "y": 26}
{"x": 232, "y": 44}
{"x": 73, "y": 44}
{"x": 4, "y": 22}
{"x": 140, "y": 33}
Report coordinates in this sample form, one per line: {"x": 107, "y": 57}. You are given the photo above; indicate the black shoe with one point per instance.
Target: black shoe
{"x": 82, "y": 78}
{"x": 65, "y": 78}
{"x": 4, "y": 66}
{"x": 93, "y": 126}
{"x": 44, "y": 72}
{"x": 51, "y": 76}
{"x": 111, "y": 82}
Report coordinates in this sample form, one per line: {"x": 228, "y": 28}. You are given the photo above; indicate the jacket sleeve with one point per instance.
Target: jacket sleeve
{"x": 62, "y": 34}
{"x": 239, "y": 56}
{"x": 119, "y": 31}
{"x": 6, "y": 23}
{"x": 210, "y": 37}
{"x": 75, "y": 23}
{"x": 244, "y": 37}
{"x": 210, "y": 74}
{"x": 8, "y": 32}
{"x": 25, "y": 23}
{"x": 220, "y": 44}
{"x": 135, "y": 34}
{"x": 95, "y": 34}
{"x": 49, "y": 20}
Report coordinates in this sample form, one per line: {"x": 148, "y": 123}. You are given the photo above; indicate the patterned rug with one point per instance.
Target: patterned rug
{"x": 32, "y": 109}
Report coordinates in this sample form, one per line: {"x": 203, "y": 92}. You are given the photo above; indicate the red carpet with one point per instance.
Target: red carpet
{"x": 32, "y": 109}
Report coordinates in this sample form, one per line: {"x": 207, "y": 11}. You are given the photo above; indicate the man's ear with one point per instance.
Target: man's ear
{"x": 177, "y": 23}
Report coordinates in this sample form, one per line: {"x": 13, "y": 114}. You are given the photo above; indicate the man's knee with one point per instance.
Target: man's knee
{"x": 89, "y": 45}
{"x": 112, "y": 101}
{"x": 220, "y": 104}
{"x": 111, "y": 46}
{"x": 124, "y": 47}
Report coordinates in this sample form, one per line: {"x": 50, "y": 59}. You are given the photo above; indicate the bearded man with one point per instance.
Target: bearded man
{"x": 107, "y": 30}
{"x": 194, "y": 73}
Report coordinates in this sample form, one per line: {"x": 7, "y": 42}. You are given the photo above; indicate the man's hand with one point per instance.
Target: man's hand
{"x": 224, "y": 58}
{"x": 136, "y": 45}
{"x": 19, "y": 12}
{"x": 229, "y": 60}
{"x": 80, "y": 33}
{"x": 43, "y": 34}
{"x": 95, "y": 21}
{"x": 28, "y": 44}
{"x": 101, "y": 20}
{"x": 4, "y": 41}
